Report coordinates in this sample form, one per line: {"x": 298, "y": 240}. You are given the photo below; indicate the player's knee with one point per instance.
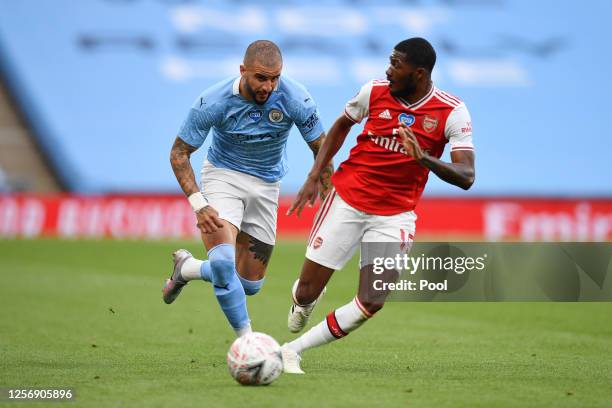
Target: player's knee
{"x": 222, "y": 264}
{"x": 251, "y": 287}
{"x": 372, "y": 306}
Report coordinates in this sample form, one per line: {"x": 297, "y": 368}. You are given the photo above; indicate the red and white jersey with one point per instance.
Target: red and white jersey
{"x": 378, "y": 177}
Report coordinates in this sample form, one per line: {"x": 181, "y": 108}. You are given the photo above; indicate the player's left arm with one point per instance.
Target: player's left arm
{"x": 458, "y": 131}
{"x": 328, "y": 170}
{"x": 460, "y": 172}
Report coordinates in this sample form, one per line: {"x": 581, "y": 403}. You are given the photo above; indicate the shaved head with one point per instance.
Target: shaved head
{"x": 263, "y": 52}
{"x": 260, "y": 71}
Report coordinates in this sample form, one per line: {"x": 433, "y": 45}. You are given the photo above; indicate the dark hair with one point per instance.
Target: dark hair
{"x": 419, "y": 52}
{"x": 264, "y": 51}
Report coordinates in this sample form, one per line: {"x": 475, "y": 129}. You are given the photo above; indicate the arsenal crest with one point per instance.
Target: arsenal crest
{"x": 430, "y": 123}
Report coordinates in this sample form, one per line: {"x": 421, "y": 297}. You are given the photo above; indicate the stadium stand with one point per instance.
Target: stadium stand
{"x": 106, "y": 84}
{"x": 20, "y": 157}
{"x": 103, "y": 86}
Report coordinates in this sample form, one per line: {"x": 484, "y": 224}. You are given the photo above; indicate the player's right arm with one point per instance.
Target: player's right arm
{"x": 179, "y": 159}
{"x": 191, "y": 136}
{"x": 354, "y": 112}
{"x": 332, "y": 143}
{"x": 208, "y": 217}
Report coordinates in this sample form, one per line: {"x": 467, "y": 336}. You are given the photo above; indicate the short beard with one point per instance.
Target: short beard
{"x": 254, "y": 95}
{"x": 408, "y": 89}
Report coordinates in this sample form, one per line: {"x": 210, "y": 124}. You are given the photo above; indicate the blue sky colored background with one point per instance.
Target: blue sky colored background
{"x": 107, "y": 83}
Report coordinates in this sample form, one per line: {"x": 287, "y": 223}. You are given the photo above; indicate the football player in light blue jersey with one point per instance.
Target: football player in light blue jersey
{"x": 248, "y": 119}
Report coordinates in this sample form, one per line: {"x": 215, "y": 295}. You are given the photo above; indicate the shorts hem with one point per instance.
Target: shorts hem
{"x": 230, "y": 221}
{"x": 324, "y": 263}
{"x": 258, "y": 237}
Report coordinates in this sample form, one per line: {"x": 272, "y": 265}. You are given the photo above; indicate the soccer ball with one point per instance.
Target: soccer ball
{"x": 255, "y": 359}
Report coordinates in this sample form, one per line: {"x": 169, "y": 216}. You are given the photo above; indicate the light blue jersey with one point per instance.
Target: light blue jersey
{"x": 248, "y": 137}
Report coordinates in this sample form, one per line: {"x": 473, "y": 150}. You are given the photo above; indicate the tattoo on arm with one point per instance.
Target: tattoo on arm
{"x": 261, "y": 251}
{"x": 325, "y": 180}
{"x": 179, "y": 159}
{"x": 328, "y": 170}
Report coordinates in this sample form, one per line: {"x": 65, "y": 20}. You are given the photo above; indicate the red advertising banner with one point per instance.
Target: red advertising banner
{"x": 169, "y": 216}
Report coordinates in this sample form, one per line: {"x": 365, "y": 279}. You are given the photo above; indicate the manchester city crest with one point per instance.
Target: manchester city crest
{"x": 275, "y": 115}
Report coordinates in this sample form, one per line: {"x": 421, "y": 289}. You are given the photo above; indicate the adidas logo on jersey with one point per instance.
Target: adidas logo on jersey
{"x": 385, "y": 114}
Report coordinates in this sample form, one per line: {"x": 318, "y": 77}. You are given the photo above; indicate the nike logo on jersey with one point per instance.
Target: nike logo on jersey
{"x": 385, "y": 114}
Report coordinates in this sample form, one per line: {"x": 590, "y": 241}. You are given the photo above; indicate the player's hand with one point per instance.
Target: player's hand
{"x": 208, "y": 220}
{"x": 306, "y": 195}
{"x": 410, "y": 143}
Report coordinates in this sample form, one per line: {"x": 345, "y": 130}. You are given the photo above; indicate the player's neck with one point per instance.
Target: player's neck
{"x": 422, "y": 89}
{"x": 243, "y": 92}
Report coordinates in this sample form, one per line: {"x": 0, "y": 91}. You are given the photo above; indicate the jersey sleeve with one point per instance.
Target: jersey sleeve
{"x": 359, "y": 106}
{"x": 200, "y": 119}
{"x": 458, "y": 129}
{"x": 308, "y": 120}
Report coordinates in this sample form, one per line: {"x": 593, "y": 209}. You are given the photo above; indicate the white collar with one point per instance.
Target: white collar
{"x": 236, "y": 86}
{"x": 420, "y": 102}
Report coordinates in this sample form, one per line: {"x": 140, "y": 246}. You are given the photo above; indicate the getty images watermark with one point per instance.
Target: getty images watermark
{"x": 411, "y": 265}
{"x": 468, "y": 271}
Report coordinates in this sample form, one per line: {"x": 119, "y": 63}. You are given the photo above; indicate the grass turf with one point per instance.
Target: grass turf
{"x": 89, "y": 315}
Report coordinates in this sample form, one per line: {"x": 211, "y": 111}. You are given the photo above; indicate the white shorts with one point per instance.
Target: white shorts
{"x": 245, "y": 201}
{"x": 339, "y": 229}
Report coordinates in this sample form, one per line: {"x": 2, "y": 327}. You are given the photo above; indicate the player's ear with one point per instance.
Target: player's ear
{"x": 242, "y": 69}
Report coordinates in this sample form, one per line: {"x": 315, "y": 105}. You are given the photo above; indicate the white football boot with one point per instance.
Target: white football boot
{"x": 291, "y": 360}
{"x": 299, "y": 315}
{"x": 176, "y": 283}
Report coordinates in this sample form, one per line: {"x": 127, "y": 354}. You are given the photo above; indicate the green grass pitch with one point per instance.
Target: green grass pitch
{"x": 89, "y": 315}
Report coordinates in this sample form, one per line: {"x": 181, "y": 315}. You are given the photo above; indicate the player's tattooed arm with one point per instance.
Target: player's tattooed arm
{"x": 328, "y": 170}
{"x": 179, "y": 159}
{"x": 208, "y": 217}
{"x": 460, "y": 172}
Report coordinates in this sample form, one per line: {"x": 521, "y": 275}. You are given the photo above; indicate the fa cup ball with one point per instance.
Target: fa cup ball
{"x": 255, "y": 359}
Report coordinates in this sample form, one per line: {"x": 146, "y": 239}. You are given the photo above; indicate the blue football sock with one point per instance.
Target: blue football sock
{"x": 227, "y": 287}
{"x": 205, "y": 271}
{"x": 251, "y": 287}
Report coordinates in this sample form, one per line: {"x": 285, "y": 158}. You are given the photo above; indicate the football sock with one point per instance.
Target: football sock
{"x": 227, "y": 287}
{"x": 251, "y": 287}
{"x": 336, "y": 325}
{"x": 205, "y": 271}
{"x": 243, "y": 330}
{"x": 194, "y": 269}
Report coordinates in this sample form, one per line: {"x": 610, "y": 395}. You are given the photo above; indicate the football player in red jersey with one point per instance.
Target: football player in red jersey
{"x": 409, "y": 122}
